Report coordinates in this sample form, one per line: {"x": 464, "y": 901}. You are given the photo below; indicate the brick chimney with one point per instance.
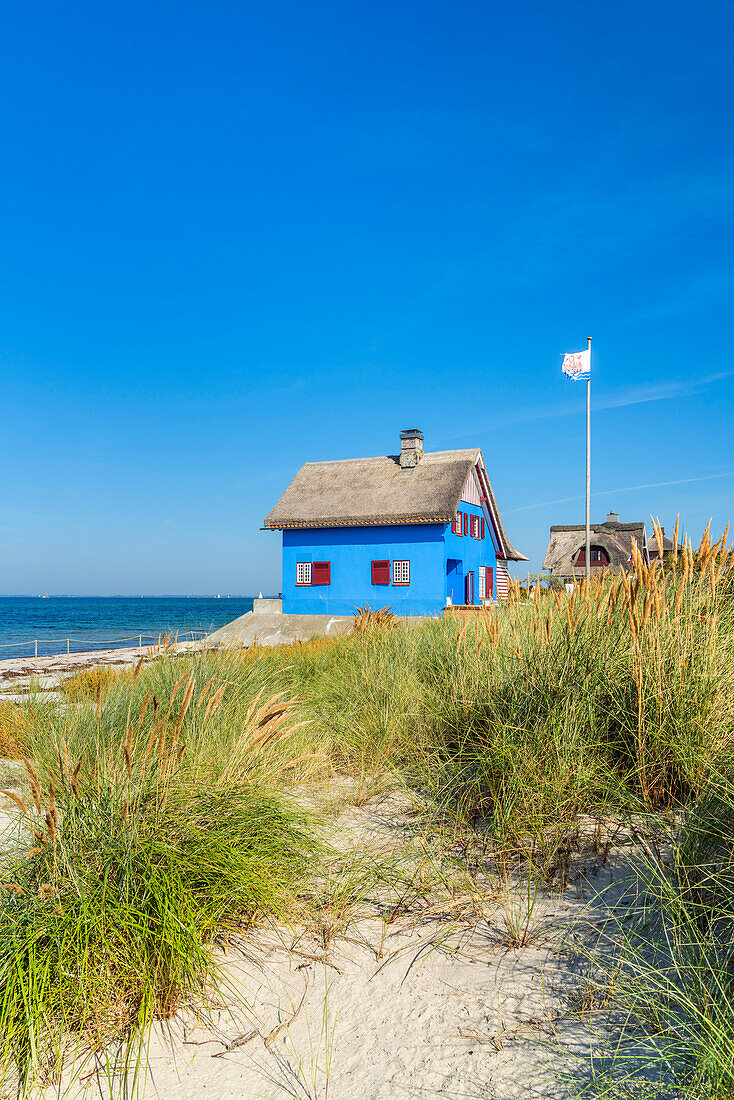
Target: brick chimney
{"x": 612, "y": 517}
{"x": 411, "y": 448}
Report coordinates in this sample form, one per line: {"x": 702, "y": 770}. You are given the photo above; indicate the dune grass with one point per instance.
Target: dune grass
{"x": 669, "y": 977}
{"x": 188, "y": 798}
{"x": 88, "y": 683}
{"x": 14, "y": 731}
{"x": 134, "y": 859}
{"x": 618, "y": 697}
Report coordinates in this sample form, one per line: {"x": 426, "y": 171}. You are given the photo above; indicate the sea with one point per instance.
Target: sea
{"x": 53, "y": 623}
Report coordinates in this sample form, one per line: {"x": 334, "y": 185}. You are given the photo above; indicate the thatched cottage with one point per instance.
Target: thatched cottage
{"x": 611, "y": 547}
{"x": 412, "y": 531}
{"x": 666, "y": 551}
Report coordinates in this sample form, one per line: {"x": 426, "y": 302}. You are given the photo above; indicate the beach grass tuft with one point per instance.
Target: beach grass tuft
{"x": 668, "y": 976}
{"x": 89, "y": 682}
{"x": 15, "y": 726}
{"x": 130, "y": 870}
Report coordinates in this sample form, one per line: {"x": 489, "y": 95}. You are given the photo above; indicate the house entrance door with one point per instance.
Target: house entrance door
{"x": 469, "y": 588}
{"x": 455, "y": 580}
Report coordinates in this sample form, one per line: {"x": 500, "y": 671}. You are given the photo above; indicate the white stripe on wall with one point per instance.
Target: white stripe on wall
{"x": 502, "y": 580}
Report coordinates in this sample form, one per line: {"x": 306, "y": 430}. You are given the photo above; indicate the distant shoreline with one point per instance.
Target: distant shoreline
{"x": 34, "y": 626}
{"x": 19, "y": 672}
{"x": 123, "y": 596}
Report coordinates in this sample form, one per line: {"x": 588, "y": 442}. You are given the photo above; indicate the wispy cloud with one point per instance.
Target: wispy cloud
{"x": 624, "y": 489}
{"x": 633, "y": 395}
{"x": 661, "y": 391}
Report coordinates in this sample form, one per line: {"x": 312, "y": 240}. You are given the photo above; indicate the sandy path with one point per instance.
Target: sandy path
{"x": 424, "y": 1007}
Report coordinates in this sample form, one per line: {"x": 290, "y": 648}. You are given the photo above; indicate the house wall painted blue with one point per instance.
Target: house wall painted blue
{"x": 440, "y": 561}
{"x": 351, "y": 551}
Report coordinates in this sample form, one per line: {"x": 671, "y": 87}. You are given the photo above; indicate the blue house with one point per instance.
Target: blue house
{"x": 413, "y": 532}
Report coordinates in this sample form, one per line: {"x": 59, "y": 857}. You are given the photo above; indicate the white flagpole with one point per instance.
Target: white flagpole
{"x": 588, "y": 467}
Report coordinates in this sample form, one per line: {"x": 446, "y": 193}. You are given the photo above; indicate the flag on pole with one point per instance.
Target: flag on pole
{"x": 577, "y": 365}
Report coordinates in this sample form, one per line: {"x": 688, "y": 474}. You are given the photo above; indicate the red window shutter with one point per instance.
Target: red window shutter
{"x": 380, "y": 572}
{"x": 454, "y": 526}
{"x": 482, "y": 534}
{"x": 466, "y": 523}
{"x": 321, "y": 572}
{"x": 489, "y": 582}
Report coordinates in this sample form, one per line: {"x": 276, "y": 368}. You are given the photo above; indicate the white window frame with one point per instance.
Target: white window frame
{"x": 303, "y": 573}
{"x": 482, "y": 582}
{"x": 401, "y": 573}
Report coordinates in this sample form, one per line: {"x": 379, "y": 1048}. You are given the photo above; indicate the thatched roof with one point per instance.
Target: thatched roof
{"x": 668, "y": 547}
{"x": 616, "y": 538}
{"x": 357, "y": 492}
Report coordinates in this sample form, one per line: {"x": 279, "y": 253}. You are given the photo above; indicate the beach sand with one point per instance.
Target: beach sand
{"x": 423, "y": 1006}
{"x": 18, "y": 674}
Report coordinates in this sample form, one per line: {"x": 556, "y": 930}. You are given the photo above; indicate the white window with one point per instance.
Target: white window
{"x": 482, "y": 582}
{"x": 401, "y": 572}
{"x": 303, "y": 572}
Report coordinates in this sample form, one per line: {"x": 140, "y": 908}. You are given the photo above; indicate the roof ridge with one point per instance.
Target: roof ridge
{"x": 464, "y": 452}
{"x": 598, "y": 526}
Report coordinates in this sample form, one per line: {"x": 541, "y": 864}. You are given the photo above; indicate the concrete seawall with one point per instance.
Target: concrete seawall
{"x": 267, "y": 625}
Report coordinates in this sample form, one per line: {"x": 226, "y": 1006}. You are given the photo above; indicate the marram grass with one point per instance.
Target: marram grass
{"x": 130, "y": 871}
{"x": 620, "y": 696}
{"x": 170, "y": 804}
{"x": 668, "y": 977}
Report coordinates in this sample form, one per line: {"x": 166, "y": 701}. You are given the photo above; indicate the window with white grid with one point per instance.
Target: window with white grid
{"x": 401, "y": 572}
{"x": 303, "y": 572}
{"x": 482, "y": 582}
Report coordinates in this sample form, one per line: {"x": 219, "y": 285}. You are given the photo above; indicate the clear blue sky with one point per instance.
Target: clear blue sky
{"x": 240, "y": 236}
